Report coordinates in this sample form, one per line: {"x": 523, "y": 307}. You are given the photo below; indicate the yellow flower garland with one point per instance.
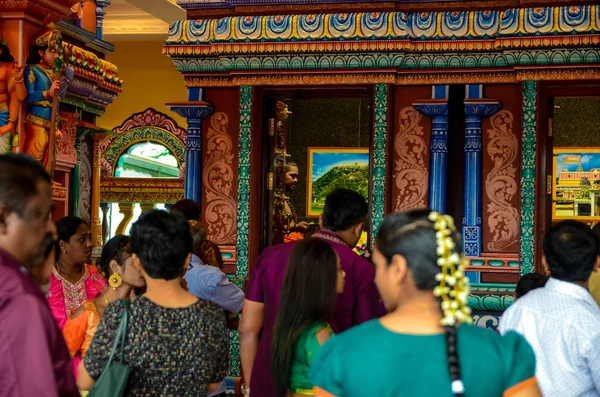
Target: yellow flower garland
{"x": 454, "y": 285}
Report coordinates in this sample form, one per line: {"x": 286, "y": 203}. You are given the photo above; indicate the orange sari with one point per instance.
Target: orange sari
{"x": 79, "y": 332}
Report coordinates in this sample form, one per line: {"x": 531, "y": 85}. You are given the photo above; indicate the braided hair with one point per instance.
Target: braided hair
{"x": 430, "y": 244}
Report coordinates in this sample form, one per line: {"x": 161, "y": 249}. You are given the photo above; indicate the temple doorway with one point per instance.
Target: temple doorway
{"x": 320, "y": 140}
{"x": 569, "y": 157}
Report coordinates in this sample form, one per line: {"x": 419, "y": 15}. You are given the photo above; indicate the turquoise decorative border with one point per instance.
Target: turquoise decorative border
{"x": 491, "y": 297}
{"x": 528, "y": 174}
{"x": 397, "y": 25}
{"x": 379, "y": 60}
{"x": 379, "y": 158}
{"x": 243, "y": 202}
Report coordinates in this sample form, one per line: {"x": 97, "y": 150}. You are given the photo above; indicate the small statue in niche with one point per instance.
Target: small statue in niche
{"x": 45, "y": 89}
{"x": 12, "y": 92}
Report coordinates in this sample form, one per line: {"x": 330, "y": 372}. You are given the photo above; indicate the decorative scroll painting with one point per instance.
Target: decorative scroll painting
{"x": 331, "y": 168}
{"x": 576, "y": 183}
{"x": 218, "y": 178}
{"x": 501, "y": 185}
{"x": 410, "y": 170}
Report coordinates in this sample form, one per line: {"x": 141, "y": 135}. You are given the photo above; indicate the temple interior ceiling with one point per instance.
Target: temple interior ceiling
{"x": 140, "y": 19}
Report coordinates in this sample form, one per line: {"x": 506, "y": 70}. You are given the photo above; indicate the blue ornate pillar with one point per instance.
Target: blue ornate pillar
{"x": 194, "y": 111}
{"x": 438, "y": 170}
{"x": 475, "y": 111}
{"x": 100, "y": 13}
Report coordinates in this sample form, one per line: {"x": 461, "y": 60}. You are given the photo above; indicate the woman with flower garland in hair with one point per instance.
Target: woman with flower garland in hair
{"x": 425, "y": 345}
{"x": 116, "y": 265}
{"x": 313, "y": 279}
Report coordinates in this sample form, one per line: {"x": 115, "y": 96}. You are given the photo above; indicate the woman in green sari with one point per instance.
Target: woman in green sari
{"x": 424, "y": 346}
{"x": 312, "y": 281}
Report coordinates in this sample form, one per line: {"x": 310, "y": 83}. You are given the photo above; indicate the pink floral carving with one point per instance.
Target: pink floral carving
{"x": 410, "y": 172}
{"x": 65, "y": 146}
{"x": 218, "y": 178}
{"x": 501, "y": 184}
{"x": 147, "y": 118}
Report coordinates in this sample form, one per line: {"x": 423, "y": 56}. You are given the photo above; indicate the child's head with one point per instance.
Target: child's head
{"x": 530, "y": 282}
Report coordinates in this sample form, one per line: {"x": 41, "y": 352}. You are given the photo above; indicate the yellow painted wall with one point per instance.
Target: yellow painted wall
{"x": 149, "y": 80}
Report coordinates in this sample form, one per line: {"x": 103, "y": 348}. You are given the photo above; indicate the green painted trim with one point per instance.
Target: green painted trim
{"x": 400, "y": 60}
{"x": 490, "y": 302}
{"x": 528, "y": 175}
{"x": 379, "y": 158}
{"x": 137, "y": 134}
{"x": 243, "y": 204}
{"x": 84, "y": 105}
{"x": 493, "y": 287}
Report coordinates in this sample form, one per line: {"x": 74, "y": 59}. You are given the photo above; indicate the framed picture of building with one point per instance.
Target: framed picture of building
{"x": 576, "y": 183}
{"x": 331, "y": 168}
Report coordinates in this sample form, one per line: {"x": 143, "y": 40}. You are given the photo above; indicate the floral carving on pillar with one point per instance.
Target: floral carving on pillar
{"x": 500, "y": 184}
{"x": 218, "y": 178}
{"x": 85, "y": 178}
{"x": 410, "y": 171}
{"x": 65, "y": 145}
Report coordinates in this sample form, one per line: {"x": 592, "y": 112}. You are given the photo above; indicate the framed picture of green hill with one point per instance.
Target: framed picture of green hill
{"x": 331, "y": 168}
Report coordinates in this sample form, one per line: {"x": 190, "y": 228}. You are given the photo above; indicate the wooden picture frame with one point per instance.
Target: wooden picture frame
{"x": 341, "y": 167}
{"x": 576, "y": 184}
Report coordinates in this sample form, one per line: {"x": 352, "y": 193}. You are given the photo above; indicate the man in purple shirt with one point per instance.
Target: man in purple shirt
{"x": 341, "y": 225}
{"x": 35, "y": 360}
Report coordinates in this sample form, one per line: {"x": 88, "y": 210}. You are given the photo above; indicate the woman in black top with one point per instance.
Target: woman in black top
{"x": 176, "y": 343}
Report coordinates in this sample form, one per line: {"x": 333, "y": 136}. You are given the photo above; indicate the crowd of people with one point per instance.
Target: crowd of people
{"x": 152, "y": 318}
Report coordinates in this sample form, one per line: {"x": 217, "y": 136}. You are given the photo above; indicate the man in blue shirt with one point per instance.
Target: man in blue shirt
{"x": 210, "y": 283}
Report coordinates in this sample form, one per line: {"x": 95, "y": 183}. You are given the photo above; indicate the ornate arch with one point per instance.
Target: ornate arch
{"x": 149, "y": 125}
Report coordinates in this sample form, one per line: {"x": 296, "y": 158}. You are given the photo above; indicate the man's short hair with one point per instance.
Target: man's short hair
{"x": 289, "y": 165}
{"x": 19, "y": 176}
{"x": 162, "y": 241}
{"x": 188, "y": 208}
{"x": 199, "y": 235}
{"x": 344, "y": 209}
{"x": 571, "y": 250}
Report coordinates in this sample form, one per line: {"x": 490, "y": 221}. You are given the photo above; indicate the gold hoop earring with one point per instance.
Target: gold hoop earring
{"x": 115, "y": 281}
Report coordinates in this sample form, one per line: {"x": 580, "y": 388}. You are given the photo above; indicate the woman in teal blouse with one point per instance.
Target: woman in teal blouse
{"x": 312, "y": 281}
{"x": 424, "y": 346}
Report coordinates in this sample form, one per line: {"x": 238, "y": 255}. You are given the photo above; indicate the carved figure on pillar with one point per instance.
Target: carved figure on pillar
{"x": 12, "y": 92}
{"x": 43, "y": 85}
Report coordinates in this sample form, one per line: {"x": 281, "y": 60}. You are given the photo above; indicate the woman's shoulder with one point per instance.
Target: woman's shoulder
{"x": 509, "y": 346}
{"x": 356, "y": 335}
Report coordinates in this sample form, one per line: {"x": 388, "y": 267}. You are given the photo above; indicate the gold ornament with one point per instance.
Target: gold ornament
{"x": 115, "y": 281}
{"x": 454, "y": 285}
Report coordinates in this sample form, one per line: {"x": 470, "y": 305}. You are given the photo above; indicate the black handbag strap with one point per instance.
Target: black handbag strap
{"x": 121, "y": 334}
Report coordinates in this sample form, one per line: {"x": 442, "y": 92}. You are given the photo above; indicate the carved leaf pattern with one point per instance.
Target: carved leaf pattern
{"x": 411, "y": 174}
{"x": 501, "y": 184}
{"x": 218, "y": 178}
{"x": 65, "y": 146}
{"x": 85, "y": 181}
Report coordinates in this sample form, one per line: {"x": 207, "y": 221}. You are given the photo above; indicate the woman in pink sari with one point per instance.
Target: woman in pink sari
{"x": 73, "y": 281}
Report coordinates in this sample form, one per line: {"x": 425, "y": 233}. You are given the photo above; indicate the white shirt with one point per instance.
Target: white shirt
{"x": 562, "y": 323}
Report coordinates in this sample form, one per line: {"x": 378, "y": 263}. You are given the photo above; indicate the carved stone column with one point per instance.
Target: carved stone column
{"x": 194, "y": 112}
{"x": 147, "y": 207}
{"x": 96, "y": 221}
{"x": 475, "y": 111}
{"x": 438, "y": 111}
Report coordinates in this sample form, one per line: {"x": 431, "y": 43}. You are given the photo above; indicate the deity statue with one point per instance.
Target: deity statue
{"x": 12, "y": 92}
{"x": 43, "y": 85}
